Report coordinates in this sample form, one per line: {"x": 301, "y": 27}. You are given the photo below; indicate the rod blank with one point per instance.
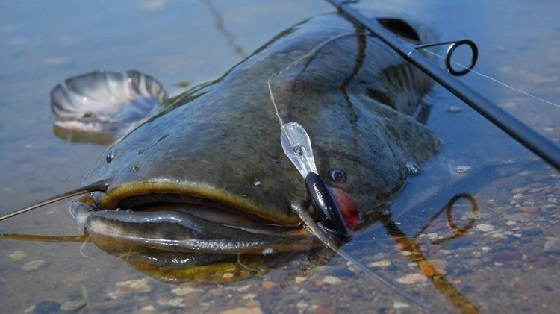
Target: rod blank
{"x": 527, "y": 137}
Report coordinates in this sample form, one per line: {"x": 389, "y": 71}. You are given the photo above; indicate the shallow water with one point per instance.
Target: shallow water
{"x": 507, "y": 262}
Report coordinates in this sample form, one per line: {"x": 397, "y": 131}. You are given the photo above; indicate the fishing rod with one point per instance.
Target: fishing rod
{"x": 541, "y": 146}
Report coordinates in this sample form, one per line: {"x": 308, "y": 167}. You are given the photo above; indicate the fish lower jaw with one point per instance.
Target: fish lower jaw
{"x": 187, "y": 227}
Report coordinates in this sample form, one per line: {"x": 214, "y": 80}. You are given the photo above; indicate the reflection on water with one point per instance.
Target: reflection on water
{"x": 505, "y": 259}
{"x": 214, "y": 269}
{"x": 413, "y": 251}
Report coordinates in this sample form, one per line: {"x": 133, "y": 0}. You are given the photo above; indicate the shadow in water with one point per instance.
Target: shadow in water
{"x": 411, "y": 246}
{"x": 77, "y": 136}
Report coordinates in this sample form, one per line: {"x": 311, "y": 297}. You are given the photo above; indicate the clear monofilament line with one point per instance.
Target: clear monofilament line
{"x": 271, "y": 95}
{"x": 495, "y": 80}
{"x": 324, "y": 238}
{"x": 294, "y": 139}
{"x": 308, "y": 55}
{"x": 297, "y": 147}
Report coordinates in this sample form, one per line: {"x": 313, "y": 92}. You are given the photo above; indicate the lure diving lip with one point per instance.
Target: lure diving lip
{"x": 329, "y": 213}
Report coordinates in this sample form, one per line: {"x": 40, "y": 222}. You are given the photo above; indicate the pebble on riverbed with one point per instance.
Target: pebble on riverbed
{"x": 552, "y": 244}
{"x": 17, "y": 255}
{"x": 33, "y": 265}
{"x": 300, "y": 279}
{"x": 485, "y": 227}
{"x": 411, "y": 279}
{"x": 331, "y": 280}
{"x": 382, "y": 263}
{"x": 128, "y": 287}
{"x": 173, "y": 302}
{"x": 400, "y": 305}
{"x": 243, "y": 310}
{"x": 185, "y": 290}
{"x": 147, "y": 309}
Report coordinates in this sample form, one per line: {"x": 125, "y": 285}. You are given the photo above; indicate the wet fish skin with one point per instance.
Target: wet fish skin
{"x": 220, "y": 138}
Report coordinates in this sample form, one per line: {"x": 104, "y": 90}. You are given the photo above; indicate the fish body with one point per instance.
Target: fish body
{"x": 206, "y": 171}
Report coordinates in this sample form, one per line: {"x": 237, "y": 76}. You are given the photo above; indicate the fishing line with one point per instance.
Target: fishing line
{"x": 297, "y": 147}
{"x": 245, "y": 266}
{"x": 538, "y": 144}
{"x": 82, "y": 248}
{"x": 496, "y": 81}
{"x": 327, "y": 241}
{"x": 308, "y": 55}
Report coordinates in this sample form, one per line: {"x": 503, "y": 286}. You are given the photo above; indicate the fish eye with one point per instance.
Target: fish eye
{"x": 337, "y": 175}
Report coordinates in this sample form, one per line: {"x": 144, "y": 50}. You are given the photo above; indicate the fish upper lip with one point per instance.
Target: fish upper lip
{"x": 210, "y": 211}
{"x": 128, "y": 190}
{"x": 156, "y": 194}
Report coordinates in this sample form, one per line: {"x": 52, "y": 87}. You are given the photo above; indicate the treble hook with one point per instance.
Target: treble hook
{"x": 449, "y": 53}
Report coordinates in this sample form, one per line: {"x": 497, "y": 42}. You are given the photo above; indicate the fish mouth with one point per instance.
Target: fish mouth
{"x": 154, "y": 191}
{"x": 176, "y": 216}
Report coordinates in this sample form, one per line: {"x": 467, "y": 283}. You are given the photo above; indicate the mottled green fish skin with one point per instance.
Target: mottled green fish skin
{"x": 224, "y": 135}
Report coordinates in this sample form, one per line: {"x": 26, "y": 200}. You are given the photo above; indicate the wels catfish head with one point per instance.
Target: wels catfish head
{"x": 206, "y": 172}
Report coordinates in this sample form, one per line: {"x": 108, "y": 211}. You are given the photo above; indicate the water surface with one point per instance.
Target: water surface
{"x": 507, "y": 262}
